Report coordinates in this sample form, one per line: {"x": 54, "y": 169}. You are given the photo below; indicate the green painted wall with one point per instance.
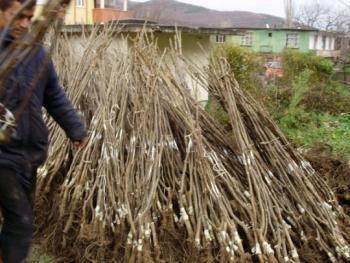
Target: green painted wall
{"x": 262, "y": 42}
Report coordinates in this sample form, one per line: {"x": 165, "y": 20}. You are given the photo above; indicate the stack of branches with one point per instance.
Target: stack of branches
{"x": 161, "y": 180}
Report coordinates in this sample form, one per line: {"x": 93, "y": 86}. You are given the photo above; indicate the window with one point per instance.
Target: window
{"x": 247, "y": 39}
{"x": 292, "y": 40}
{"x": 80, "y": 3}
{"x": 220, "y": 38}
{"x": 270, "y": 34}
{"x": 108, "y": 4}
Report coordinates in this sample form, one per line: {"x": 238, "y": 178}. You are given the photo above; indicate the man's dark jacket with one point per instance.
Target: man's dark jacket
{"x": 28, "y": 146}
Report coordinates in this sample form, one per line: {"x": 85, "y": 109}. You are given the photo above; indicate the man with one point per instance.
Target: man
{"x": 7, "y": 11}
{"x": 27, "y": 148}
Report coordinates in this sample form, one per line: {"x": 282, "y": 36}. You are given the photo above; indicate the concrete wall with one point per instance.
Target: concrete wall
{"x": 195, "y": 47}
{"x": 78, "y": 43}
{"x": 322, "y": 42}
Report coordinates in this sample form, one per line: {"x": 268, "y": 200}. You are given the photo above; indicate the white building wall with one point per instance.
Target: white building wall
{"x": 79, "y": 46}
{"x": 194, "y": 48}
{"x": 316, "y": 42}
{"x": 324, "y": 48}
{"x": 312, "y": 42}
{"x": 319, "y": 42}
{"x": 333, "y": 44}
{"x": 328, "y": 43}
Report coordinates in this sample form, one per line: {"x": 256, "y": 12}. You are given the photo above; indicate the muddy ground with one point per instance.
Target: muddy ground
{"x": 335, "y": 170}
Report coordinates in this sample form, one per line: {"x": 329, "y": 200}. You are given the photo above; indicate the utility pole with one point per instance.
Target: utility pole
{"x": 289, "y": 9}
{"x": 125, "y": 8}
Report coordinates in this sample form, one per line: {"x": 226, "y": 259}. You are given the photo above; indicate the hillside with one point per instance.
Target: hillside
{"x": 175, "y": 12}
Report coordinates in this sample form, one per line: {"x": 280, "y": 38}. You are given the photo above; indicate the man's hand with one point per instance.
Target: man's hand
{"x": 77, "y": 145}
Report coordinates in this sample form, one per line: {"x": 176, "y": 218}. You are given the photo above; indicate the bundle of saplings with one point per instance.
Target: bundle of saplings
{"x": 160, "y": 180}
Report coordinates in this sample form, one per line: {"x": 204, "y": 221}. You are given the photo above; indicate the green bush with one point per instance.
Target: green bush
{"x": 246, "y": 65}
{"x": 295, "y": 115}
{"x": 216, "y": 111}
{"x": 295, "y": 62}
{"x": 308, "y": 105}
{"x": 332, "y": 97}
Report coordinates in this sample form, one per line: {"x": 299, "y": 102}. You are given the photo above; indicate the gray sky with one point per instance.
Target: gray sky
{"x": 273, "y": 7}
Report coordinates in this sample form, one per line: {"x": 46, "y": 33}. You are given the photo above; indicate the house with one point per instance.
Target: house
{"x": 264, "y": 40}
{"x": 269, "y": 40}
{"x": 91, "y": 11}
{"x": 326, "y": 44}
{"x": 195, "y": 43}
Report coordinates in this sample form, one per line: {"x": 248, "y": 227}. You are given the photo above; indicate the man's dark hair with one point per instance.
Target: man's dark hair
{"x": 5, "y": 4}
{"x": 65, "y": 2}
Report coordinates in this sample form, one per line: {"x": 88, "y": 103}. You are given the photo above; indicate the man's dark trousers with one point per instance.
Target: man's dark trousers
{"x": 16, "y": 202}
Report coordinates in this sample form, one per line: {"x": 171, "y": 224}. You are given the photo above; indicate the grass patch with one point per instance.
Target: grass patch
{"x": 308, "y": 106}
{"x": 323, "y": 129}
{"x": 38, "y": 256}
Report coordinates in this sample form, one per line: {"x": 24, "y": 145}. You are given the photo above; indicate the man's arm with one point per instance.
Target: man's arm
{"x": 61, "y": 109}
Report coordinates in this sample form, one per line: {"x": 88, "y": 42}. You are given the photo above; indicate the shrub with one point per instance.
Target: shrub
{"x": 295, "y": 114}
{"x": 246, "y": 65}
{"x": 294, "y": 63}
{"x": 332, "y": 97}
{"x": 216, "y": 111}
{"x": 309, "y": 106}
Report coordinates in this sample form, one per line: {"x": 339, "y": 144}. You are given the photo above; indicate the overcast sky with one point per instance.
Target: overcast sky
{"x": 273, "y": 7}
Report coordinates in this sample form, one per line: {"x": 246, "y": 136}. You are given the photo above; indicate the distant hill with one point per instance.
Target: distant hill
{"x": 174, "y": 12}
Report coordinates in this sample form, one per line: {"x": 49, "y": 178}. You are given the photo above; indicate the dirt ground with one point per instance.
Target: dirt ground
{"x": 335, "y": 170}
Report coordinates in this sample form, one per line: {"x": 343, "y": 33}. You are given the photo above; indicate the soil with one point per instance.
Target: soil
{"x": 335, "y": 170}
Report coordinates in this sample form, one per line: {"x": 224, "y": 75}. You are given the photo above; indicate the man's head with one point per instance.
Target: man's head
{"x": 8, "y": 8}
{"x": 23, "y": 21}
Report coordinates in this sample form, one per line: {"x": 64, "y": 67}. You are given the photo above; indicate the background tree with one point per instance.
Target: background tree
{"x": 323, "y": 16}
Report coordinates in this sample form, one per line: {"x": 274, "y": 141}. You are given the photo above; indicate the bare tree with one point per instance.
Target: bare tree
{"x": 322, "y": 16}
